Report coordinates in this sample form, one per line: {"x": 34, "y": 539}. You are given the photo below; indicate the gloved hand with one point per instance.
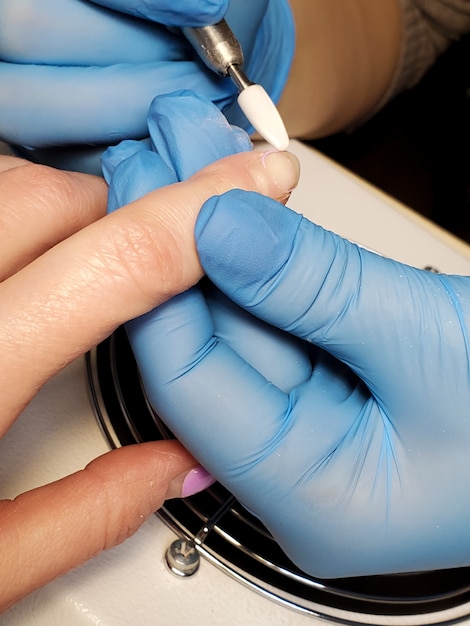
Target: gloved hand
{"x": 334, "y": 403}
{"x": 361, "y": 468}
{"x": 187, "y": 132}
{"x": 79, "y": 73}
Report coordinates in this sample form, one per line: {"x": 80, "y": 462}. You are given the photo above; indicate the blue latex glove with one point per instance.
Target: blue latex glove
{"x": 187, "y": 132}
{"x": 359, "y": 461}
{"x": 78, "y": 73}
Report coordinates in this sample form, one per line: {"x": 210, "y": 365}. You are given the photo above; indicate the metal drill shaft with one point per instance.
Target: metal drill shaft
{"x": 217, "y": 46}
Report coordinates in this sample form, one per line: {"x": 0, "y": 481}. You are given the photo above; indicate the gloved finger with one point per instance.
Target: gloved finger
{"x": 181, "y": 13}
{"x": 68, "y": 32}
{"x": 281, "y": 358}
{"x": 133, "y": 170}
{"x": 115, "y": 155}
{"x": 176, "y": 123}
{"x": 258, "y": 441}
{"x": 209, "y": 395}
{"x": 244, "y": 23}
{"x": 119, "y": 491}
{"x": 305, "y": 280}
{"x": 128, "y": 183}
{"x": 205, "y": 392}
{"x": 115, "y": 269}
{"x": 188, "y": 132}
{"x": 91, "y": 105}
{"x": 262, "y": 31}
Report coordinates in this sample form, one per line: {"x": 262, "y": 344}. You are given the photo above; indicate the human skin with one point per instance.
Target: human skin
{"x": 70, "y": 275}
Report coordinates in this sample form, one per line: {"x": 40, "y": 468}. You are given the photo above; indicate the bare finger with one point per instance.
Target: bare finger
{"x": 40, "y": 207}
{"x": 46, "y": 532}
{"x": 120, "y": 267}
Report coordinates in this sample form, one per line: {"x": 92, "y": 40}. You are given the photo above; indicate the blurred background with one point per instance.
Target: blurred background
{"x": 417, "y": 148}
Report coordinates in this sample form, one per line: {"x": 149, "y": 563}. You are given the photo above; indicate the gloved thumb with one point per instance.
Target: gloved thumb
{"x": 308, "y": 281}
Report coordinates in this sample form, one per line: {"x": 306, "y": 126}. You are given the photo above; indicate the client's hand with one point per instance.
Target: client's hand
{"x": 69, "y": 275}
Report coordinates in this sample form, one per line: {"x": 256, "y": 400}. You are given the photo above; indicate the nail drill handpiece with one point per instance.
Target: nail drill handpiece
{"x": 221, "y": 52}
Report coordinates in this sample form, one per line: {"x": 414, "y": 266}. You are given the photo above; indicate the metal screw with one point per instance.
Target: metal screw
{"x": 182, "y": 557}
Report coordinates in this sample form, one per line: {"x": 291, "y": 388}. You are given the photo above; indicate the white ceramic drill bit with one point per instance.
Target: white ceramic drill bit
{"x": 221, "y": 52}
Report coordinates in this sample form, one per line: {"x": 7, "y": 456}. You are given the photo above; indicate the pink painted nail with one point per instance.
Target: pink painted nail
{"x": 197, "y": 480}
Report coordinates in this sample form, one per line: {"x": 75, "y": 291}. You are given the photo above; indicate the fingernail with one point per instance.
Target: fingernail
{"x": 197, "y": 480}
{"x": 190, "y": 483}
{"x": 283, "y": 168}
